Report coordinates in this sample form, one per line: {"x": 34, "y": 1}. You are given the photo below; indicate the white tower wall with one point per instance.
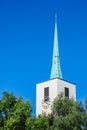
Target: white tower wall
{"x": 56, "y": 86}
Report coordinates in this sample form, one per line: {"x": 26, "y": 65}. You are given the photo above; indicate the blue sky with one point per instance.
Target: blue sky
{"x": 26, "y": 44}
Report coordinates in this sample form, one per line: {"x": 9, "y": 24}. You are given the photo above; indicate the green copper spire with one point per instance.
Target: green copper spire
{"x": 56, "y": 69}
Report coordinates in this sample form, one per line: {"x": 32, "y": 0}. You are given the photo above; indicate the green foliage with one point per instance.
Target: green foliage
{"x": 67, "y": 114}
{"x": 86, "y": 104}
{"x": 85, "y": 116}
{"x": 13, "y": 112}
{"x": 40, "y": 122}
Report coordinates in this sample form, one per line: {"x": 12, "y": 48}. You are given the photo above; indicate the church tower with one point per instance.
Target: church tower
{"x": 47, "y": 91}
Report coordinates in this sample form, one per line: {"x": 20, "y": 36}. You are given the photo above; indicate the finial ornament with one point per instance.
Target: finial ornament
{"x": 55, "y": 18}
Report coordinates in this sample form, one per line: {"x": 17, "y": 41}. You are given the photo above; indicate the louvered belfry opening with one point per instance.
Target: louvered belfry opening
{"x": 46, "y": 94}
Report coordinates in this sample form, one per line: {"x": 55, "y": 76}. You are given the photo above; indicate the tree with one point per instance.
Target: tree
{"x": 13, "y": 112}
{"x": 85, "y": 116}
{"x": 68, "y": 114}
{"x": 42, "y": 122}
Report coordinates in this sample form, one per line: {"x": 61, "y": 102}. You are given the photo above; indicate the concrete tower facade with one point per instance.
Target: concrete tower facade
{"x": 47, "y": 91}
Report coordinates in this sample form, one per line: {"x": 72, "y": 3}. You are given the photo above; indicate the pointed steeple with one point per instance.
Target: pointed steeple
{"x": 56, "y": 69}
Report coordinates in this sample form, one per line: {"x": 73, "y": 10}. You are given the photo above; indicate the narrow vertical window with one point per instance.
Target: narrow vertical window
{"x": 66, "y": 92}
{"x": 46, "y": 94}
